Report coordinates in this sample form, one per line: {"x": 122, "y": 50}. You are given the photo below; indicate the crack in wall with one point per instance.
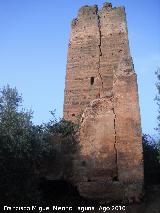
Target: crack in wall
{"x": 115, "y": 142}
{"x": 115, "y": 178}
{"x": 100, "y": 51}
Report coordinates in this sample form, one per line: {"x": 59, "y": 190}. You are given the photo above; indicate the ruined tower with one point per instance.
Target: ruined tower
{"x": 101, "y": 89}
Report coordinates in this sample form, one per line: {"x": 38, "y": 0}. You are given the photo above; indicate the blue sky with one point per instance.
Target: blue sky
{"x": 34, "y": 37}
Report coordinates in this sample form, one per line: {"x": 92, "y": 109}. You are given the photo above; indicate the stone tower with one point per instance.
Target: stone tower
{"x": 101, "y": 88}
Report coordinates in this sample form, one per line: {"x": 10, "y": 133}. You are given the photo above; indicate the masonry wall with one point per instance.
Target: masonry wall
{"x": 97, "y": 42}
{"x": 82, "y": 63}
{"x": 101, "y": 89}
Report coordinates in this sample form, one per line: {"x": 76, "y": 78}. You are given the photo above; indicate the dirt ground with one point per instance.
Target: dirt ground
{"x": 149, "y": 204}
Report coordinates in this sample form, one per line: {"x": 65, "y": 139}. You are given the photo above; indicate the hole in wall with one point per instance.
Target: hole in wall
{"x": 73, "y": 115}
{"x": 115, "y": 178}
{"x": 83, "y": 163}
{"x": 92, "y": 80}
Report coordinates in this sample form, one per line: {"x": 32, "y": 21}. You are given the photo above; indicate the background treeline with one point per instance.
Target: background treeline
{"x": 30, "y": 152}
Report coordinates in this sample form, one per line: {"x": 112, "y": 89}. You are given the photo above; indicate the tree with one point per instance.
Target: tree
{"x": 151, "y": 164}
{"x": 24, "y": 148}
{"x": 157, "y": 98}
{"x": 30, "y": 152}
{"x": 14, "y": 120}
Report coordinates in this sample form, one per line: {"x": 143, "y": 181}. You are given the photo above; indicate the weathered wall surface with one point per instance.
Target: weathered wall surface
{"x": 98, "y": 41}
{"x": 97, "y": 127}
{"x": 128, "y": 126}
{"x": 82, "y": 63}
{"x": 101, "y": 86}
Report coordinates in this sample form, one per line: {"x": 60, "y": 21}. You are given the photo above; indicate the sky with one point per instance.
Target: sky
{"x": 34, "y": 37}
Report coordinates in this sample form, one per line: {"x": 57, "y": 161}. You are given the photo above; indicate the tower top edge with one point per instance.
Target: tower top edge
{"x": 88, "y": 10}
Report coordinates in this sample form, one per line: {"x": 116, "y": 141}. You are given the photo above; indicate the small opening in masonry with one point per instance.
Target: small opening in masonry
{"x": 92, "y": 80}
{"x": 83, "y": 163}
{"x": 115, "y": 178}
{"x": 73, "y": 115}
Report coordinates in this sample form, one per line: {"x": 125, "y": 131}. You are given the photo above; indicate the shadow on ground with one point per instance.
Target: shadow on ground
{"x": 62, "y": 194}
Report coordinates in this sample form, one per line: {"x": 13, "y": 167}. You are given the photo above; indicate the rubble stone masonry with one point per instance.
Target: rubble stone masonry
{"x": 101, "y": 91}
